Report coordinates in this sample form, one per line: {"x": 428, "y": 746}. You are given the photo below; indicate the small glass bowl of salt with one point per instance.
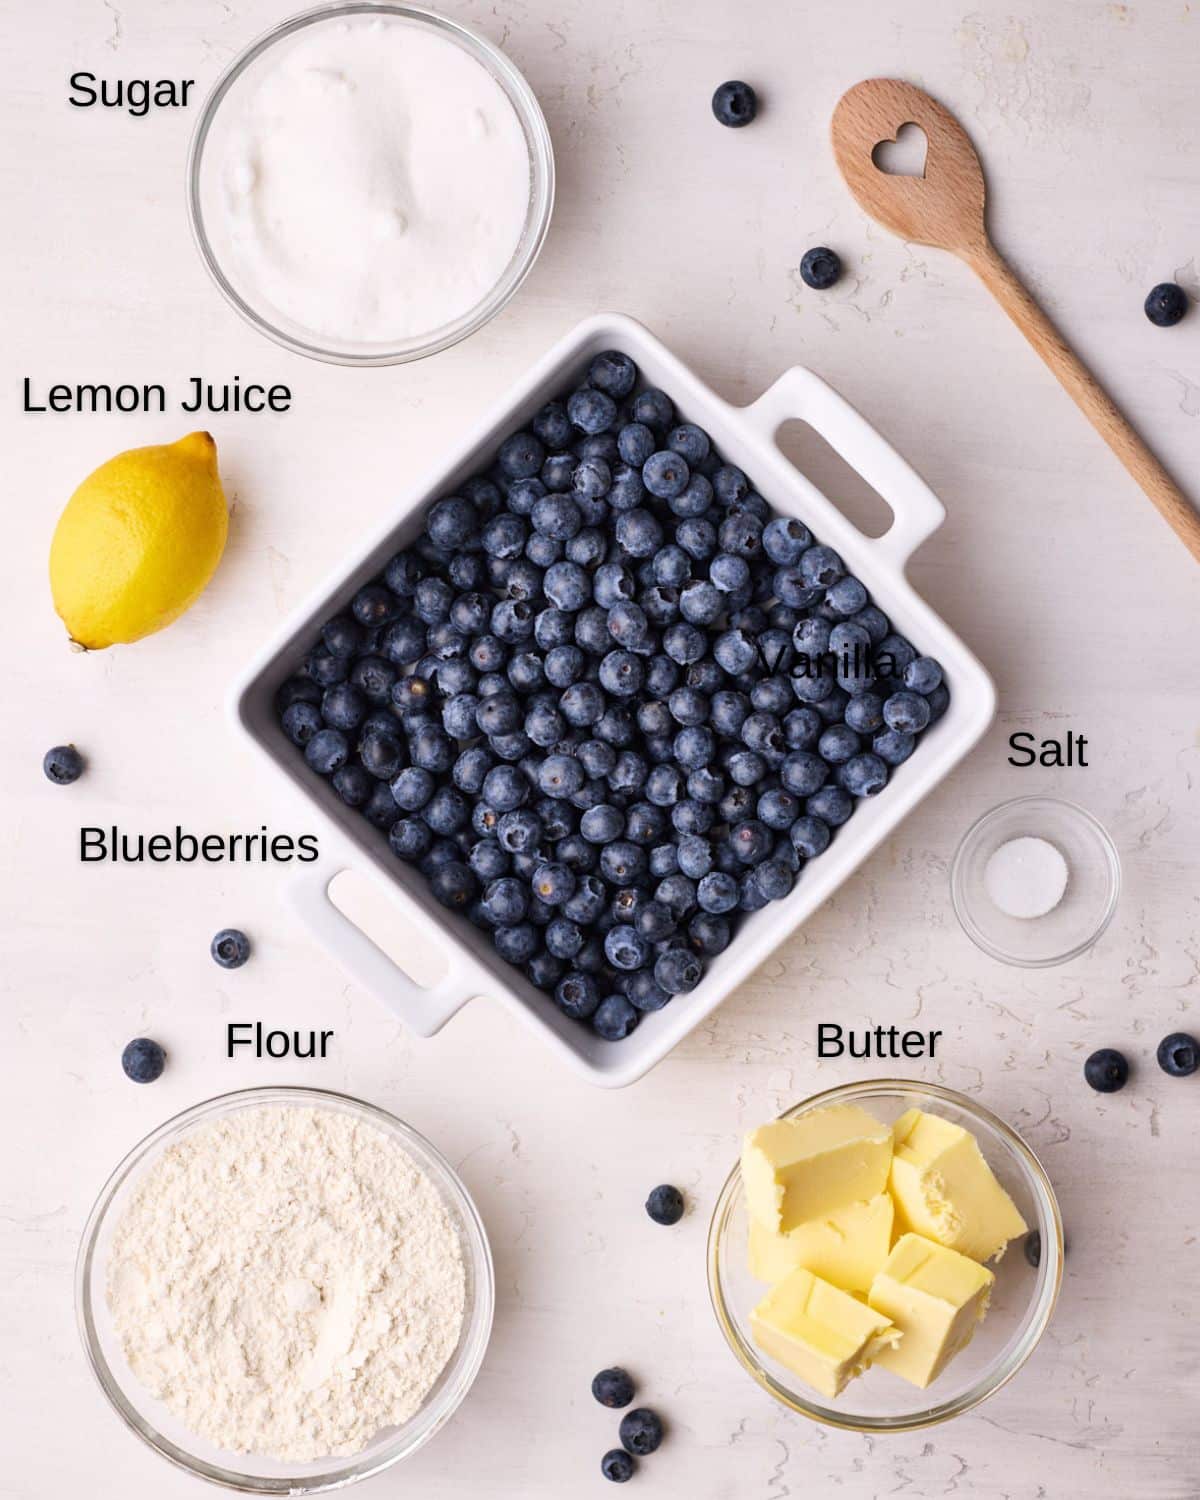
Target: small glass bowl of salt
{"x": 1035, "y": 881}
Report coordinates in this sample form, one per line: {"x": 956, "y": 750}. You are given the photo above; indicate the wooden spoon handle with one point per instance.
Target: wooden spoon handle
{"x": 1083, "y": 388}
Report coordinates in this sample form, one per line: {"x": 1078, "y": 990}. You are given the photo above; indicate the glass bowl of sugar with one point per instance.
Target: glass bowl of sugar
{"x": 369, "y": 182}
{"x": 1035, "y": 881}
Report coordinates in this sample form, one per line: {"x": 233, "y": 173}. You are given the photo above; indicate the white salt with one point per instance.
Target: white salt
{"x": 1026, "y": 877}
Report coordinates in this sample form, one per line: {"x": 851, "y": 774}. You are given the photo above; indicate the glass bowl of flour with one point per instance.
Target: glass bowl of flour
{"x": 369, "y": 182}
{"x": 285, "y": 1290}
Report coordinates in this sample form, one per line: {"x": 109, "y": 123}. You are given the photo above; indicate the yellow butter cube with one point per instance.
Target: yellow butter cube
{"x": 943, "y": 1189}
{"x": 936, "y": 1298}
{"x": 822, "y": 1334}
{"x": 807, "y": 1168}
{"x": 846, "y": 1248}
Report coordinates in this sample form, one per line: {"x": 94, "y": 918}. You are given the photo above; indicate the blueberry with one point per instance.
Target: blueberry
{"x": 488, "y": 860}
{"x": 410, "y": 838}
{"x": 230, "y": 948}
{"x": 144, "y": 1060}
{"x": 810, "y": 836}
{"x": 327, "y": 751}
{"x": 451, "y": 524}
{"x": 906, "y": 711}
{"x": 701, "y": 603}
{"x": 641, "y": 1430}
{"x": 560, "y": 775}
{"x": 403, "y": 642}
{"x": 553, "y": 883}
{"x": 846, "y": 598}
{"x": 864, "y": 713}
{"x": 614, "y": 373}
{"x": 342, "y": 636}
{"x": 627, "y": 624}
{"x": 520, "y": 456}
{"x": 778, "y": 808}
{"x": 617, "y": 1465}
{"x": 923, "y": 675}
{"x": 353, "y": 784}
{"x": 1179, "y": 1054}
{"x": 635, "y": 444}
{"x": 717, "y": 893}
{"x": 577, "y": 996}
{"x": 735, "y": 104}
{"x": 300, "y": 722}
{"x": 741, "y": 534}
{"x": 821, "y": 567}
{"x": 837, "y": 744}
{"x": 729, "y": 573}
{"x": 505, "y": 901}
{"x": 638, "y": 533}
{"x": 622, "y": 863}
{"x": 832, "y": 804}
{"x": 516, "y": 945}
{"x": 64, "y": 764}
{"x": 677, "y": 971}
{"x": 697, "y": 537}
{"x": 774, "y": 879}
{"x": 820, "y": 268}
{"x": 402, "y": 575}
{"x": 380, "y": 807}
{"x": 343, "y": 706}
{"x": 591, "y": 410}
{"x": 626, "y": 948}
{"x": 615, "y": 1018}
{"x": 1106, "y": 1071}
{"x": 892, "y": 656}
{"x": 1166, "y": 304}
{"x": 454, "y": 885}
{"x": 893, "y": 746}
{"x": 653, "y": 409}
{"x": 735, "y": 651}
{"x": 694, "y": 746}
{"x": 864, "y": 775}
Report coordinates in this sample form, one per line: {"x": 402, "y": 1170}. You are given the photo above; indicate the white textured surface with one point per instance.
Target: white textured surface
{"x": 1051, "y": 565}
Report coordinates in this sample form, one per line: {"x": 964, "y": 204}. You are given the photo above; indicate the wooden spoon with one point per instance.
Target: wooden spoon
{"x": 944, "y": 207}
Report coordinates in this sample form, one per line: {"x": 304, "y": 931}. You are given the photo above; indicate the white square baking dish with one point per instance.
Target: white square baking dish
{"x": 746, "y": 437}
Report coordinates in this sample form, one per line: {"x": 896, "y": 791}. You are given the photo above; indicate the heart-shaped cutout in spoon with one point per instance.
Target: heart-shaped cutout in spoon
{"x": 944, "y": 207}
{"x": 904, "y": 155}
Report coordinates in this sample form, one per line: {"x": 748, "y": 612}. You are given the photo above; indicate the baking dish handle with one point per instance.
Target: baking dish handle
{"x": 916, "y": 510}
{"x": 423, "y": 1010}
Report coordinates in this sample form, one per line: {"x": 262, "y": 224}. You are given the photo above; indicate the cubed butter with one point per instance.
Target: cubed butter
{"x": 819, "y": 1332}
{"x": 943, "y": 1189}
{"x": 936, "y": 1298}
{"x": 847, "y": 1247}
{"x": 797, "y": 1170}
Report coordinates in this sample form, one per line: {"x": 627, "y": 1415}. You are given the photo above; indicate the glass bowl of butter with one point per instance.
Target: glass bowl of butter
{"x": 871, "y": 1259}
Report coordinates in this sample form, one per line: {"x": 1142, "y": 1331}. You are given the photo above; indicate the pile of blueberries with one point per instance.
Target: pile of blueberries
{"x": 609, "y": 701}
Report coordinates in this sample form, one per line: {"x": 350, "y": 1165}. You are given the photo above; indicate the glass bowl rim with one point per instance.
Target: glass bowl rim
{"x": 1050, "y": 1270}
{"x": 349, "y": 1469}
{"x": 962, "y": 910}
{"x": 541, "y": 166}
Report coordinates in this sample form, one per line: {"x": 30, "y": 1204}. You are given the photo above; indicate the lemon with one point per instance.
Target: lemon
{"x": 138, "y": 541}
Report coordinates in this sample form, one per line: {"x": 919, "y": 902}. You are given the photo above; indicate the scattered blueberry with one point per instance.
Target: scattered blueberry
{"x": 641, "y": 1432}
{"x": 63, "y": 765}
{"x": 1107, "y": 1070}
{"x": 144, "y": 1060}
{"x": 609, "y": 701}
{"x": 735, "y": 104}
{"x": 1166, "y": 304}
{"x": 617, "y": 1465}
{"x": 820, "y": 268}
{"x": 230, "y": 948}
{"x": 613, "y": 1387}
{"x": 665, "y": 1205}
{"x": 1179, "y": 1054}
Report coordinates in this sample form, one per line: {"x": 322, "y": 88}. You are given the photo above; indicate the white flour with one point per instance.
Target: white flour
{"x": 288, "y": 1282}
